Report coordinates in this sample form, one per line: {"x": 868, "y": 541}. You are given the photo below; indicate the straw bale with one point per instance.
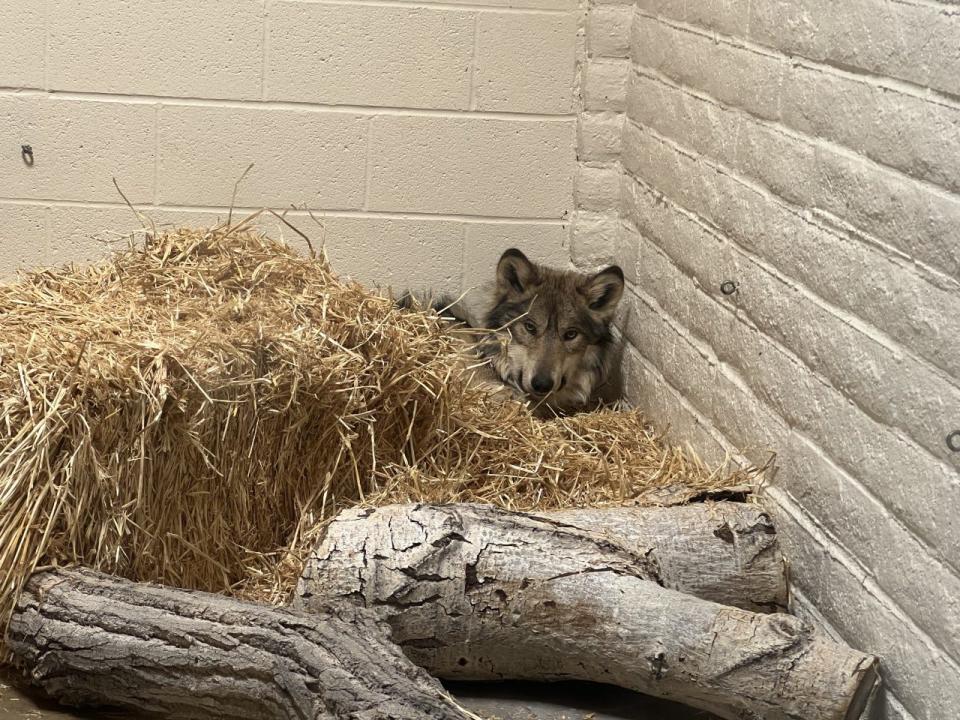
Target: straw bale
{"x": 195, "y": 409}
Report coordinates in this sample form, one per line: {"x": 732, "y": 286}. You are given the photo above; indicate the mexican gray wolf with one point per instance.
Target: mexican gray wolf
{"x": 542, "y": 334}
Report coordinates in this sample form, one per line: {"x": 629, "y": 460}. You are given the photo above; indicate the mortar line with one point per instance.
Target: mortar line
{"x": 897, "y": 85}
{"x": 932, "y": 553}
{"x": 461, "y": 7}
{"x": 702, "y": 420}
{"x": 798, "y": 598}
{"x": 706, "y": 350}
{"x": 861, "y": 325}
{"x": 928, "y": 551}
{"x": 811, "y": 613}
{"x": 303, "y": 106}
{"x": 790, "y": 353}
{"x": 699, "y": 345}
{"x": 904, "y": 434}
{"x": 797, "y": 135}
{"x": 823, "y": 539}
{"x": 360, "y": 214}
{"x": 945, "y": 8}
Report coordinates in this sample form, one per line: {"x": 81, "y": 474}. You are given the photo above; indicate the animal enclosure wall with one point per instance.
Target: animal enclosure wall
{"x": 779, "y": 180}
{"x": 429, "y": 136}
{"x": 788, "y": 179}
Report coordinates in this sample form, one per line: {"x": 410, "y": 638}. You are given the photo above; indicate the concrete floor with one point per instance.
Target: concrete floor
{"x": 566, "y": 701}
{"x": 504, "y": 701}
{"x": 15, "y": 704}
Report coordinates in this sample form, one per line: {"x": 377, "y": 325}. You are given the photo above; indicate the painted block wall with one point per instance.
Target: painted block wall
{"x": 427, "y": 136}
{"x": 807, "y": 152}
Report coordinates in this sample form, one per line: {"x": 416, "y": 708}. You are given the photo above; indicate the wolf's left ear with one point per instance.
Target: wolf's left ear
{"x": 602, "y": 291}
{"x": 515, "y": 272}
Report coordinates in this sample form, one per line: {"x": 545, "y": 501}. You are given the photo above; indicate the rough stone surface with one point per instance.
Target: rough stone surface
{"x": 916, "y": 42}
{"x": 604, "y": 84}
{"x": 598, "y": 136}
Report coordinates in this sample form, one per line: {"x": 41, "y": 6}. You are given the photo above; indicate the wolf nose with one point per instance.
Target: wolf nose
{"x": 541, "y": 384}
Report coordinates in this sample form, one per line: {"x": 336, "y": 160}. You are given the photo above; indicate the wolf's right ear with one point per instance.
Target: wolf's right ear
{"x": 602, "y": 291}
{"x": 515, "y": 273}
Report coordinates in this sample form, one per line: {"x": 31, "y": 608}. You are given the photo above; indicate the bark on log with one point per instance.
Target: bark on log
{"x": 91, "y": 639}
{"x": 725, "y": 552}
{"x": 476, "y": 593}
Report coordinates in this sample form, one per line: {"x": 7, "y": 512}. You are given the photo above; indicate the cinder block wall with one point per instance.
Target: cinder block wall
{"x": 429, "y": 136}
{"x": 603, "y": 66}
{"x": 808, "y": 152}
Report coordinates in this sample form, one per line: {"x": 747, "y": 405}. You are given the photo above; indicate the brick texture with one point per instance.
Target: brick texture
{"x": 190, "y": 48}
{"x": 506, "y": 80}
{"x": 423, "y": 133}
{"x": 369, "y": 248}
{"x": 298, "y": 156}
{"x": 509, "y": 168}
{"x": 485, "y": 243}
{"x": 807, "y": 151}
{"x": 416, "y": 58}
{"x": 22, "y": 36}
{"x": 78, "y": 147}
{"x": 598, "y": 237}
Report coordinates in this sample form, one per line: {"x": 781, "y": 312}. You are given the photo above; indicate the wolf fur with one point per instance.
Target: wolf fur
{"x": 543, "y": 334}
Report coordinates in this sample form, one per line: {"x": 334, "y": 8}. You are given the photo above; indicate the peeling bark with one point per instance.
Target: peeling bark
{"x": 725, "y": 552}
{"x": 93, "y": 640}
{"x": 476, "y": 593}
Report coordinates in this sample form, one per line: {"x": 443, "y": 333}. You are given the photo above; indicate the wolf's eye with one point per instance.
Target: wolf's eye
{"x": 530, "y": 327}
{"x": 571, "y": 335}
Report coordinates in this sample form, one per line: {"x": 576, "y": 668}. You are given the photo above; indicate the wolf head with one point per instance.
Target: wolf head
{"x": 557, "y": 325}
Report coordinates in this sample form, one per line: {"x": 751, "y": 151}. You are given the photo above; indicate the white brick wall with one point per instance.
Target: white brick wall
{"x": 429, "y": 135}
{"x": 603, "y": 68}
{"x": 810, "y": 152}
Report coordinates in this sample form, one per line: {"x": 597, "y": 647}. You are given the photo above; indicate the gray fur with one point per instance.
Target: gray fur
{"x": 545, "y": 333}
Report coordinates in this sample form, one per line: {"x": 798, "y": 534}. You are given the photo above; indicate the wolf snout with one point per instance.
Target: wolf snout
{"x": 541, "y": 384}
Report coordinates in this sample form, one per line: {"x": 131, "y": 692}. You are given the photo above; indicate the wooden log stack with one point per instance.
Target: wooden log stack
{"x": 673, "y": 602}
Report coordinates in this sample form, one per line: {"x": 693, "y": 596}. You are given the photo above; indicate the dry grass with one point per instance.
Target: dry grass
{"x": 193, "y": 410}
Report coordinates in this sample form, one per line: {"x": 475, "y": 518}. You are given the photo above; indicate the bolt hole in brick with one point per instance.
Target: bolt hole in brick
{"x": 801, "y": 158}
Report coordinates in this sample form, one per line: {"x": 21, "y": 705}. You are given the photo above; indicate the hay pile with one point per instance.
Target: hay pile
{"x": 193, "y": 410}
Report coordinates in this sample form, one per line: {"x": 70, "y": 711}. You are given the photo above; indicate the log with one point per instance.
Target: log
{"x": 476, "y": 593}
{"x": 726, "y": 552}
{"x": 93, "y": 640}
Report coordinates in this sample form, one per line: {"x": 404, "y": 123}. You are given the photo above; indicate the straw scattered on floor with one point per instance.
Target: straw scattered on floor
{"x": 193, "y": 410}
